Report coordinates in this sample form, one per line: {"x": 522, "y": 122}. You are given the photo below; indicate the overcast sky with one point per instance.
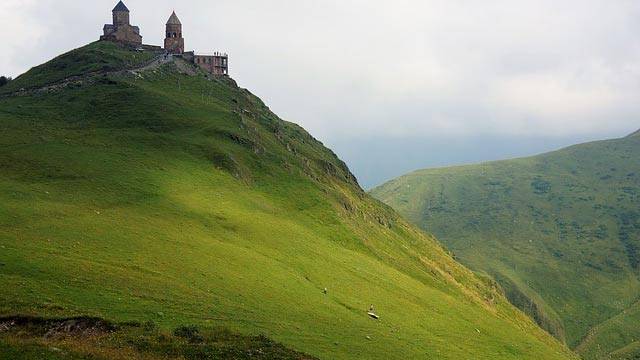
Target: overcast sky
{"x": 450, "y": 81}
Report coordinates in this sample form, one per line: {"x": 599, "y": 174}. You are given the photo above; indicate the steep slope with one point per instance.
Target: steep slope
{"x": 560, "y": 232}
{"x": 159, "y": 195}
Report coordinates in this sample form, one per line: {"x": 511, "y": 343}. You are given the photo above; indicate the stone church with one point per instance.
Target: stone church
{"x": 123, "y": 32}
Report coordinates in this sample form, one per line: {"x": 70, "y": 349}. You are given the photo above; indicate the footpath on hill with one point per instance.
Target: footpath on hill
{"x": 78, "y": 80}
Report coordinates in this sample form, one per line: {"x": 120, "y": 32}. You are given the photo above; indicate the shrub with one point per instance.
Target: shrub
{"x": 601, "y": 232}
{"x": 191, "y": 333}
{"x": 540, "y": 186}
{"x": 4, "y": 80}
{"x": 150, "y": 326}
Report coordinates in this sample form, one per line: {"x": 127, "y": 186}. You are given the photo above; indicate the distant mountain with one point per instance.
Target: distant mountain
{"x": 139, "y": 189}
{"x": 560, "y": 232}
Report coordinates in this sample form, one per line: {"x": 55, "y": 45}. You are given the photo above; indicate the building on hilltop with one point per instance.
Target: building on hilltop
{"x": 217, "y": 64}
{"x": 121, "y": 30}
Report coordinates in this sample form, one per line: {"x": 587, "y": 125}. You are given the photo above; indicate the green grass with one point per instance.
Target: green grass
{"x": 560, "y": 232}
{"x": 181, "y": 199}
{"x": 620, "y": 333}
{"x": 97, "y": 57}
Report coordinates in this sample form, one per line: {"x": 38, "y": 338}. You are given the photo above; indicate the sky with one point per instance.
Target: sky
{"x": 393, "y": 86}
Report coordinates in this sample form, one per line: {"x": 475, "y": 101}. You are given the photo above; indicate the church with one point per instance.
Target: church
{"x": 123, "y": 32}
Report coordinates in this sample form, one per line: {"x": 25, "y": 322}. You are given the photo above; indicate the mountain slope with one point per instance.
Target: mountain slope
{"x": 560, "y": 232}
{"x": 166, "y": 195}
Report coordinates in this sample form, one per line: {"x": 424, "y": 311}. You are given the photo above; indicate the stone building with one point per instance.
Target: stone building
{"x": 174, "y": 42}
{"x": 121, "y": 30}
{"x": 217, "y": 64}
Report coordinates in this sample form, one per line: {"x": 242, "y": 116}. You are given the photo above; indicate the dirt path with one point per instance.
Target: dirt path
{"x": 153, "y": 64}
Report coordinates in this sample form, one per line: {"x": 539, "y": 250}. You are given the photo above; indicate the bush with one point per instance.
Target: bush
{"x": 4, "y": 80}
{"x": 150, "y": 326}
{"x": 191, "y": 333}
{"x": 540, "y": 186}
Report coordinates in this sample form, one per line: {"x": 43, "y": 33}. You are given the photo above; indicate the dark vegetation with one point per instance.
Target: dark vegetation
{"x": 531, "y": 307}
{"x": 540, "y": 186}
{"x": 4, "y": 80}
{"x": 94, "y": 338}
{"x": 629, "y": 235}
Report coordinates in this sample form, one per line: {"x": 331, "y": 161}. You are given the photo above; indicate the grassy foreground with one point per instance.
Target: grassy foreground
{"x": 92, "y": 338}
{"x": 560, "y": 232}
{"x": 182, "y": 199}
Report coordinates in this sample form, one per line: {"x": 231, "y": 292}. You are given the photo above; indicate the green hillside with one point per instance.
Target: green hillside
{"x": 560, "y": 232}
{"x": 168, "y": 196}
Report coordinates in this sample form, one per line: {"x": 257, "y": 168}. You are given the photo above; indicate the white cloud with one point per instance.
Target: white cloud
{"x": 22, "y": 29}
{"x": 378, "y": 68}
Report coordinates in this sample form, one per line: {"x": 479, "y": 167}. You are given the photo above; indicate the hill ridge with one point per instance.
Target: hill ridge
{"x": 557, "y": 230}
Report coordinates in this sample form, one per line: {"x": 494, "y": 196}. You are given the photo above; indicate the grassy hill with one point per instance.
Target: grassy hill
{"x": 560, "y": 232}
{"x": 170, "y": 197}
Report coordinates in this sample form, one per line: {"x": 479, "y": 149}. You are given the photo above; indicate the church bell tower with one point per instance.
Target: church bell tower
{"x": 120, "y": 15}
{"x": 174, "y": 42}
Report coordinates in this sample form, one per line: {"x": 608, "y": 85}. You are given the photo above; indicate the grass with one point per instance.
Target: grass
{"x": 560, "y": 232}
{"x": 620, "y": 333}
{"x": 183, "y": 200}
{"x": 97, "y": 57}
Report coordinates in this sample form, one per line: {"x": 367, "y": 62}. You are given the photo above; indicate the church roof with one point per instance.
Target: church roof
{"x": 173, "y": 20}
{"x": 121, "y": 7}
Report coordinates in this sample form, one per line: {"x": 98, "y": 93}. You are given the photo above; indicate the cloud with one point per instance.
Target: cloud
{"x": 22, "y": 30}
{"x": 353, "y": 69}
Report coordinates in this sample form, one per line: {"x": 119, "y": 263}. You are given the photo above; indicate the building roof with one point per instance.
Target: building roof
{"x": 173, "y": 20}
{"x": 121, "y": 7}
